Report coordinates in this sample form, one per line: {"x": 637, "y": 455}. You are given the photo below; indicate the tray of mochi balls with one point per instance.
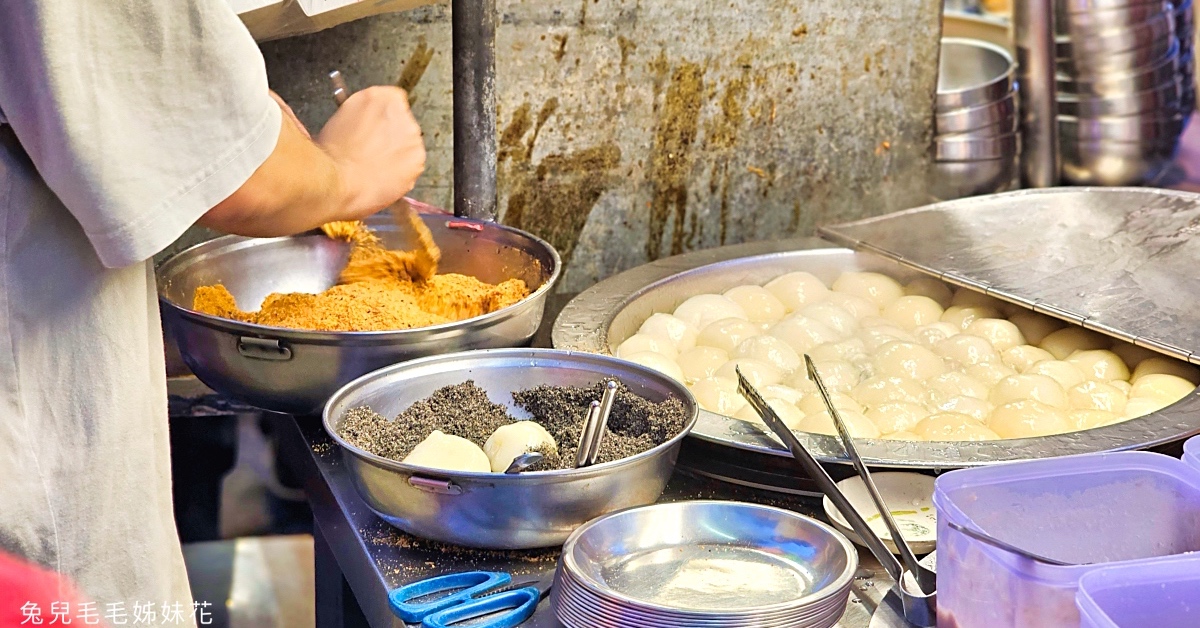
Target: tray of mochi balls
{"x": 925, "y": 374}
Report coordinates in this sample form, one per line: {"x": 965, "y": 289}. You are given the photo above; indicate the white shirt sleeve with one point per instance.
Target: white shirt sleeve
{"x": 141, "y": 115}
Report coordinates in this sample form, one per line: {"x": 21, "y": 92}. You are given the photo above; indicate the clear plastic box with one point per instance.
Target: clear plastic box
{"x": 1085, "y": 510}
{"x": 1160, "y": 592}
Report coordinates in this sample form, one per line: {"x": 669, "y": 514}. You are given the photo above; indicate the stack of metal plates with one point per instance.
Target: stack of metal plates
{"x": 704, "y": 563}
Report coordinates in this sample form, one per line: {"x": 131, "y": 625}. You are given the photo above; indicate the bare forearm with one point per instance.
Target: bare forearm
{"x": 297, "y": 188}
{"x": 368, "y": 156}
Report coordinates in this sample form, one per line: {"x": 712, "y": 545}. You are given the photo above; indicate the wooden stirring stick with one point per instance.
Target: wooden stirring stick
{"x": 418, "y": 265}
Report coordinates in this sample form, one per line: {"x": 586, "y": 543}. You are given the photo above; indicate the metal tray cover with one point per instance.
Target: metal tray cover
{"x": 609, "y": 312}
{"x": 1121, "y": 261}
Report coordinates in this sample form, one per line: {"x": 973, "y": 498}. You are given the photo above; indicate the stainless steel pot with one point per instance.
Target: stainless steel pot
{"x": 294, "y": 371}
{"x": 495, "y": 510}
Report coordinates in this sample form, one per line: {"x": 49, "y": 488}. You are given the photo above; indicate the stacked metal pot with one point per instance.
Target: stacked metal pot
{"x": 1125, "y": 87}
{"x": 976, "y": 120}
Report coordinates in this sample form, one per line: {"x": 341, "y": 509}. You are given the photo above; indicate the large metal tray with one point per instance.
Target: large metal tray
{"x": 610, "y": 311}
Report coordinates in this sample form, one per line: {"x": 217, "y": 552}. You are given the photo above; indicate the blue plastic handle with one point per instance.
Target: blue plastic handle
{"x": 469, "y": 584}
{"x": 520, "y": 605}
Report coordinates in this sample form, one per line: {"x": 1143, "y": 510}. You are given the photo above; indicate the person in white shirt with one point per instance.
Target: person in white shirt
{"x": 122, "y": 123}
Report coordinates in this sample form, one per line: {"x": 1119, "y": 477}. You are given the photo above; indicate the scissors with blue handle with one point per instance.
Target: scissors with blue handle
{"x": 469, "y": 600}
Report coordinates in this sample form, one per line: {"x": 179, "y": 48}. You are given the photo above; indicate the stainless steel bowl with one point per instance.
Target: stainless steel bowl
{"x": 1086, "y": 66}
{"x": 958, "y": 179}
{"x": 970, "y": 148}
{"x": 1165, "y": 97}
{"x": 999, "y": 114}
{"x": 972, "y": 73}
{"x": 1110, "y": 163}
{"x": 1082, "y": 6}
{"x": 633, "y": 567}
{"x": 1079, "y": 44}
{"x": 1144, "y": 128}
{"x": 1100, "y": 21}
{"x": 1121, "y": 84}
{"x": 294, "y": 371}
{"x": 611, "y": 311}
{"x": 495, "y": 510}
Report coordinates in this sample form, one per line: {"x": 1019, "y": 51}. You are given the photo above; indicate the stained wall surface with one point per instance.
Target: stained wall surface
{"x": 632, "y": 130}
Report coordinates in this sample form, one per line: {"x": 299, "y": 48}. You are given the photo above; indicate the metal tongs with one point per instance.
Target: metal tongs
{"x": 915, "y": 584}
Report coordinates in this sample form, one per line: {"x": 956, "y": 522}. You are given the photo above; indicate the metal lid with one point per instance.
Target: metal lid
{"x": 1121, "y": 261}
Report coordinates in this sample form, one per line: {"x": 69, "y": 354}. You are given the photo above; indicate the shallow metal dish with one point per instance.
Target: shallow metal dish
{"x": 294, "y": 371}
{"x": 1165, "y": 97}
{"x": 972, "y": 73}
{"x": 972, "y": 148}
{"x": 631, "y": 557}
{"x": 611, "y": 311}
{"x": 988, "y": 115}
{"x": 495, "y": 510}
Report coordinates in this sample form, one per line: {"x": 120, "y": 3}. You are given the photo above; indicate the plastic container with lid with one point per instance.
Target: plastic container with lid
{"x": 1159, "y": 592}
{"x": 1088, "y": 511}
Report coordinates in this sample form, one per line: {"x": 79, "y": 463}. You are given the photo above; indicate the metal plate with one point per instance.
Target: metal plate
{"x": 1121, "y": 260}
{"x": 710, "y": 563}
{"x": 613, "y": 309}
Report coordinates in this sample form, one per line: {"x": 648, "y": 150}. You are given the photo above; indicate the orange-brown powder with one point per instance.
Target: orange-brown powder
{"x": 372, "y": 298}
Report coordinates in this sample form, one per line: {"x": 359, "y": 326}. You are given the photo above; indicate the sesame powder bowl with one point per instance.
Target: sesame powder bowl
{"x": 496, "y": 510}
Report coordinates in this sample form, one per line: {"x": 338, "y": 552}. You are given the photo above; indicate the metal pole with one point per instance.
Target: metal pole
{"x": 1033, "y": 33}
{"x": 474, "y": 41}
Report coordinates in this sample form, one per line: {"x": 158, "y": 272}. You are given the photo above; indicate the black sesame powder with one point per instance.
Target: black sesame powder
{"x": 634, "y": 426}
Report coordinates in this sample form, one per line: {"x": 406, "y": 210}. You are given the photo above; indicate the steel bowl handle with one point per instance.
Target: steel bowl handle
{"x": 264, "y": 349}
{"x": 431, "y": 485}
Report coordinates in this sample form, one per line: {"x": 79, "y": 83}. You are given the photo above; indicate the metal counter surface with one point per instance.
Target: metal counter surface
{"x": 359, "y": 557}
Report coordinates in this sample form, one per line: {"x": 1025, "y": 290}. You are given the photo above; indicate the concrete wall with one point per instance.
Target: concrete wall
{"x": 632, "y": 130}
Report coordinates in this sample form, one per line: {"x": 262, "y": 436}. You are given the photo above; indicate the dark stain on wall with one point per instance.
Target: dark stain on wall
{"x": 553, "y": 197}
{"x": 414, "y": 69}
{"x": 677, "y": 122}
{"x": 627, "y": 47}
